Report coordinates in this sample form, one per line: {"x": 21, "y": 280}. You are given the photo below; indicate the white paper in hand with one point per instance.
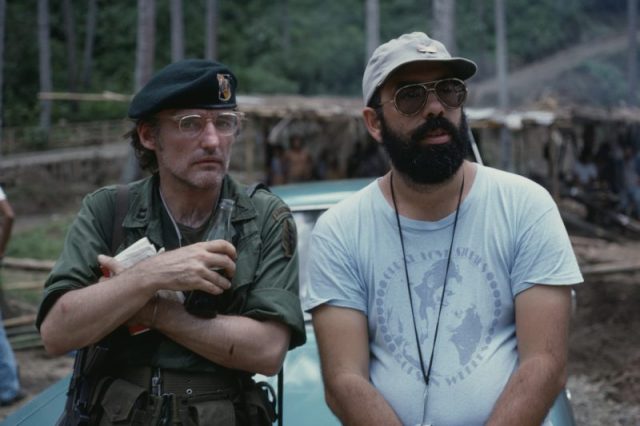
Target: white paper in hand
{"x": 136, "y": 252}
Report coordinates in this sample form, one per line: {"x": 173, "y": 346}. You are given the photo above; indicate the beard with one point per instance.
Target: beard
{"x": 423, "y": 163}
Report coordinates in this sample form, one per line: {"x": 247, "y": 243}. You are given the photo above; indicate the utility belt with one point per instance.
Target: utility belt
{"x": 184, "y": 384}
{"x": 154, "y": 396}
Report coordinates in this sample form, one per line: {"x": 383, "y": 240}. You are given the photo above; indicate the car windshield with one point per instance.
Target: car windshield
{"x": 305, "y": 219}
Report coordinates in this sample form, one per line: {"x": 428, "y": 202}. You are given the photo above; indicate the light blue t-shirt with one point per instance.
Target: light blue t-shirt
{"x": 509, "y": 237}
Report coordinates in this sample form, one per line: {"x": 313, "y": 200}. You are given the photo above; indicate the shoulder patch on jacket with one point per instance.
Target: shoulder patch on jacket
{"x": 281, "y": 212}
{"x": 288, "y": 237}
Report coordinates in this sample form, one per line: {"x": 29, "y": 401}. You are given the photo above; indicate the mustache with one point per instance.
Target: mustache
{"x": 431, "y": 124}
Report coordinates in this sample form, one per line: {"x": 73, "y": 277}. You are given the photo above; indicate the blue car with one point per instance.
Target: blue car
{"x": 303, "y": 400}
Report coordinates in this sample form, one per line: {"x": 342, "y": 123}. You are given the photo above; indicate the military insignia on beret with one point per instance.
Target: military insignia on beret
{"x": 224, "y": 87}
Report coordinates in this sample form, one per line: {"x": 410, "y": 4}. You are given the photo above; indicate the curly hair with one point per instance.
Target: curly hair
{"x": 146, "y": 157}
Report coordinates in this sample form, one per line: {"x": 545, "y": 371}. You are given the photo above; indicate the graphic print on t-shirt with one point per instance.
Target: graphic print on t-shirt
{"x": 471, "y": 310}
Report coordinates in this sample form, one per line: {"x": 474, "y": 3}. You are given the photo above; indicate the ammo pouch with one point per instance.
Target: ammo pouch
{"x": 260, "y": 404}
{"x": 254, "y": 406}
{"x": 212, "y": 412}
{"x": 117, "y": 401}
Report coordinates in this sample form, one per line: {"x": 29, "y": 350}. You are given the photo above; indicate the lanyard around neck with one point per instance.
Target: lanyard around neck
{"x": 426, "y": 373}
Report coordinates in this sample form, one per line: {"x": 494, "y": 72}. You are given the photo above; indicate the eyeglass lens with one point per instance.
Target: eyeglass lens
{"x": 410, "y": 99}
{"x": 193, "y": 125}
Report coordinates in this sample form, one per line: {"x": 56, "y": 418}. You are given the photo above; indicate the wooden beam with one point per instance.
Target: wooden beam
{"x": 71, "y": 96}
{"x": 21, "y": 320}
{"x": 29, "y": 264}
{"x": 610, "y": 268}
{"x": 24, "y": 285}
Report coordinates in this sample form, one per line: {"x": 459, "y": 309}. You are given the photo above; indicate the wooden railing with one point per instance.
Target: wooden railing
{"x": 28, "y": 139}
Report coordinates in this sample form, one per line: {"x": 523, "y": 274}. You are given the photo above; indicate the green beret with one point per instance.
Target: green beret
{"x": 189, "y": 83}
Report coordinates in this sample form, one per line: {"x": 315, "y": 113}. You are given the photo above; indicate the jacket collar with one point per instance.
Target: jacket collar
{"x": 145, "y": 206}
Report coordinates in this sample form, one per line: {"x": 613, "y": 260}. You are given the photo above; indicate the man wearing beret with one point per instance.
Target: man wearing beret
{"x": 440, "y": 293}
{"x": 186, "y": 369}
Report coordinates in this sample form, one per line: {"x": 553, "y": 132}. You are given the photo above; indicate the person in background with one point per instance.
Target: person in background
{"x": 353, "y": 161}
{"x": 327, "y": 166}
{"x": 441, "y": 292}
{"x": 277, "y": 169}
{"x": 187, "y": 369}
{"x": 10, "y": 391}
{"x": 299, "y": 164}
{"x": 8, "y": 217}
{"x": 630, "y": 194}
{"x": 585, "y": 172}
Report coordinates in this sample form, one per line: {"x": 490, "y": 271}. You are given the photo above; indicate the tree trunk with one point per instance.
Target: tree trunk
{"x": 3, "y": 8}
{"x": 177, "y": 31}
{"x": 501, "y": 55}
{"x": 146, "y": 42}
{"x": 372, "y": 27}
{"x": 145, "y": 49}
{"x": 44, "y": 51}
{"x": 89, "y": 40}
{"x": 632, "y": 8}
{"x": 444, "y": 23}
{"x": 503, "y": 93}
{"x": 70, "y": 36}
{"x": 211, "y": 30}
{"x": 286, "y": 28}
{"x": 479, "y": 44}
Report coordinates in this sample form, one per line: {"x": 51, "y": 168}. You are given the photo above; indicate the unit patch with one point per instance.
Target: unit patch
{"x": 224, "y": 87}
{"x": 289, "y": 237}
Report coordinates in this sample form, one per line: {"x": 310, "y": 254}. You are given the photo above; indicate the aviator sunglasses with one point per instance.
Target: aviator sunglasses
{"x": 410, "y": 99}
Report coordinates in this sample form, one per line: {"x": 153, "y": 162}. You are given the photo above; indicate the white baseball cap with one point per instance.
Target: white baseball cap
{"x": 412, "y": 47}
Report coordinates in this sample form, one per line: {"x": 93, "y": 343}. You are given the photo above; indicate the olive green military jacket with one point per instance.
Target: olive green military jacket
{"x": 265, "y": 285}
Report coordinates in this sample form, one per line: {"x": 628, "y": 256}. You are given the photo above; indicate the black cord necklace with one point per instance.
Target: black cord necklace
{"x": 426, "y": 372}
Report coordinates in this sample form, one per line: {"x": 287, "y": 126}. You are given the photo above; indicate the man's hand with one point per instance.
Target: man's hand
{"x": 184, "y": 269}
{"x": 110, "y": 266}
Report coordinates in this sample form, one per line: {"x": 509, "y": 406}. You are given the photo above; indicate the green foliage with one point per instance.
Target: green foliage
{"x": 596, "y": 79}
{"x": 541, "y": 28}
{"x": 41, "y": 242}
{"x": 35, "y": 139}
{"x": 283, "y": 46}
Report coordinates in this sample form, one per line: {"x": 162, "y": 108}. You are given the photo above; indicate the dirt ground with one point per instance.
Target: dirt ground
{"x": 604, "y": 347}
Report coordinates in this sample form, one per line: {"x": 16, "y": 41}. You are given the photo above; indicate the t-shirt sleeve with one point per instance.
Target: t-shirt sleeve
{"x": 544, "y": 254}
{"x": 333, "y": 274}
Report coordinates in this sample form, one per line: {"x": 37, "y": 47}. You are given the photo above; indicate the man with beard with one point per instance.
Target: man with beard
{"x": 192, "y": 366}
{"x": 440, "y": 293}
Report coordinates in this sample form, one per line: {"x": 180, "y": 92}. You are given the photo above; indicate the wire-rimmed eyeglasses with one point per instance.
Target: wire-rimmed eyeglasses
{"x": 192, "y": 125}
